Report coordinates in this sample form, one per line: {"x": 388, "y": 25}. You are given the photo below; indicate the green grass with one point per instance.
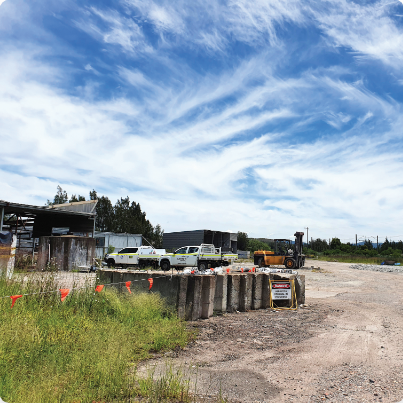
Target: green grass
{"x": 84, "y": 349}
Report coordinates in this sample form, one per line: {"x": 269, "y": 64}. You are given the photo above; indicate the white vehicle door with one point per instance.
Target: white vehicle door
{"x": 132, "y": 256}
{"x": 121, "y": 256}
{"x": 180, "y": 257}
{"x": 193, "y": 253}
{"x": 127, "y": 256}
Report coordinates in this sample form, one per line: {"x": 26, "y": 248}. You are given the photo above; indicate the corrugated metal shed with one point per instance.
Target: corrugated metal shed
{"x": 118, "y": 241}
{"x": 31, "y": 222}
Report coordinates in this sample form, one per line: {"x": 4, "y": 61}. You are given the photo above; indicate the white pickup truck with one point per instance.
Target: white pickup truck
{"x": 203, "y": 257}
{"x": 135, "y": 256}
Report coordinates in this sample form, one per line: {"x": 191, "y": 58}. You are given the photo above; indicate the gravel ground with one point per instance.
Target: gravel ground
{"x": 344, "y": 346}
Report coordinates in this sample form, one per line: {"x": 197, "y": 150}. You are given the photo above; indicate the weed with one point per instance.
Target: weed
{"x": 80, "y": 349}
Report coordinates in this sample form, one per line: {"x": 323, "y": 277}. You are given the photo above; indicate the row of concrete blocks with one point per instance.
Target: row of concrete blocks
{"x": 199, "y": 296}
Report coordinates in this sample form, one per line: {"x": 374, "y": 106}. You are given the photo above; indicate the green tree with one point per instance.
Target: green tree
{"x": 105, "y": 218}
{"x": 75, "y": 198}
{"x": 242, "y": 240}
{"x": 158, "y": 236}
{"x": 60, "y": 197}
{"x": 368, "y": 244}
{"x": 335, "y": 243}
{"x": 255, "y": 244}
{"x": 385, "y": 246}
{"x": 319, "y": 245}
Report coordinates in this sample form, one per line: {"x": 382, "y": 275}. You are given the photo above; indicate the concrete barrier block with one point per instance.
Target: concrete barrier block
{"x": 105, "y": 276}
{"x": 265, "y": 291}
{"x": 233, "y": 290}
{"x": 181, "y": 306}
{"x": 245, "y": 295}
{"x": 117, "y": 278}
{"x": 207, "y": 296}
{"x": 193, "y": 298}
{"x": 220, "y": 295}
{"x": 300, "y": 288}
{"x": 257, "y": 300}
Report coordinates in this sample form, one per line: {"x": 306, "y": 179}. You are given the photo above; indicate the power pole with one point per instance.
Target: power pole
{"x": 355, "y": 241}
{"x": 307, "y": 237}
{"x": 377, "y": 242}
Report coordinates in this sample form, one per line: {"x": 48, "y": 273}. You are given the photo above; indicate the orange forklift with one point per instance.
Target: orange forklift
{"x": 285, "y": 253}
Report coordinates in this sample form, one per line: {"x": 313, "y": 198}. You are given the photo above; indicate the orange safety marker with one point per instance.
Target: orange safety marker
{"x": 241, "y": 269}
{"x": 253, "y": 269}
{"x": 211, "y": 269}
{"x": 14, "y": 298}
{"x": 228, "y": 270}
{"x": 192, "y": 272}
{"x": 99, "y": 288}
{"x": 64, "y": 292}
{"x": 151, "y": 281}
{"x": 128, "y": 286}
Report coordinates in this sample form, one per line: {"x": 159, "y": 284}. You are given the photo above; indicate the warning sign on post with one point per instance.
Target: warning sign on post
{"x": 280, "y": 290}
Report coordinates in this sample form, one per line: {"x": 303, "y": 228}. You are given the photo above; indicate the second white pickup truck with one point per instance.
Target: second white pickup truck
{"x": 203, "y": 257}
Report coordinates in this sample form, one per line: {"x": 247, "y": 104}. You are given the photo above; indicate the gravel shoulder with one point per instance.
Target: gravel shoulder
{"x": 342, "y": 347}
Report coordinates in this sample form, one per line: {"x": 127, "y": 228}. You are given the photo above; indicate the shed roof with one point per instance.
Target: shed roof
{"x": 45, "y": 218}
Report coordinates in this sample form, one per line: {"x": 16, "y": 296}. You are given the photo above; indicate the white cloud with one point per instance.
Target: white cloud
{"x": 366, "y": 29}
{"x": 120, "y": 30}
{"x": 185, "y": 173}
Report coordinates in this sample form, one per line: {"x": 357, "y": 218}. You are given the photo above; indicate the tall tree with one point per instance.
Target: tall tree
{"x": 335, "y": 244}
{"x": 60, "y": 197}
{"x": 242, "y": 240}
{"x": 105, "y": 219}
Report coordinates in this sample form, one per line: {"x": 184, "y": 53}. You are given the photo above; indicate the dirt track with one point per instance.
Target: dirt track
{"x": 342, "y": 347}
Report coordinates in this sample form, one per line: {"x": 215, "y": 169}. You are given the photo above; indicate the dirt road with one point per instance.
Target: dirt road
{"x": 344, "y": 346}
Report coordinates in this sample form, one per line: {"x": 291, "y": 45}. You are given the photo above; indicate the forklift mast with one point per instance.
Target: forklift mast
{"x": 299, "y": 236}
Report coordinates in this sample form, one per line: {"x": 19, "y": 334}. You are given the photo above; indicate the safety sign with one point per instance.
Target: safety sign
{"x": 280, "y": 290}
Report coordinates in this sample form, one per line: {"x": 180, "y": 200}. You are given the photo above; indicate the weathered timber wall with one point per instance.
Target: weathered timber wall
{"x": 66, "y": 252}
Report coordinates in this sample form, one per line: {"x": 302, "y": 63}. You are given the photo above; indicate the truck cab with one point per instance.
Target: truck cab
{"x": 185, "y": 256}
{"x": 202, "y": 256}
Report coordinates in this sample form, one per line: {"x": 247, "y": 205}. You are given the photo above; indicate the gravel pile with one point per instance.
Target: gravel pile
{"x": 375, "y": 267}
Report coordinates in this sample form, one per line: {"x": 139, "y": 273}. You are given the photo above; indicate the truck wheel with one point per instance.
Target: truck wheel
{"x": 202, "y": 266}
{"x": 289, "y": 263}
{"x": 165, "y": 265}
{"x": 111, "y": 263}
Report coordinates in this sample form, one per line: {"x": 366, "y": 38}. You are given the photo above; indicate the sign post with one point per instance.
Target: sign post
{"x": 282, "y": 290}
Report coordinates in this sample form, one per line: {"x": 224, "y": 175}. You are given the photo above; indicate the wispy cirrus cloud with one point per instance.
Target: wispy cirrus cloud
{"x": 215, "y": 115}
{"x": 367, "y": 29}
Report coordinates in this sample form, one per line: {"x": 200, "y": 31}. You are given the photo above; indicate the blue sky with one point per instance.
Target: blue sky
{"x": 259, "y": 116}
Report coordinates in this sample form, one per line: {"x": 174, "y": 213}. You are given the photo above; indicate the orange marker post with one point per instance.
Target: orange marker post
{"x": 128, "y": 286}
{"x": 64, "y": 292}
{"x": 151, "y": 281}
{"x": 14, "y": 298}
{"x": 99, "y": 288}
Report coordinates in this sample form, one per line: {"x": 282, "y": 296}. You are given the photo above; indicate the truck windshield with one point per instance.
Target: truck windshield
{"x": 128, "y": 250}
{"x": 181, "y": 250}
